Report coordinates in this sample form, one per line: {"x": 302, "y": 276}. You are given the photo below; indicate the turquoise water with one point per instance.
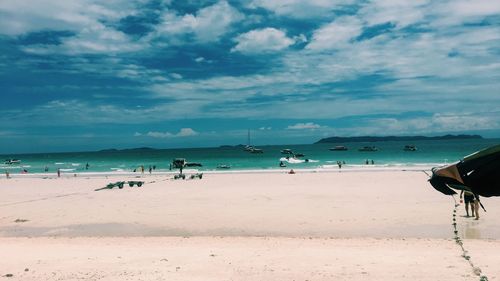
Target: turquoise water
{"x": 389, "y": 154}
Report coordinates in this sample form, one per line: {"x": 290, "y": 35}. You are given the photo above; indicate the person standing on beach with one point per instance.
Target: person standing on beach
{"x": 150, "y": 170}
{"x": 474, "y": 203}
{"x": 142, "y": 169}
{"x": 58, "y": 172}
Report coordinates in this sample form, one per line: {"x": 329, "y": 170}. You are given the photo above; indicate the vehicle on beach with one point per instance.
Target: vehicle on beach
{"x": 368, "y": 148}
{"x": 338, "y": 148}
{"x": 120, "y": 184}
{"x": 410, "y": 148}
{"x": 12, "y": 161}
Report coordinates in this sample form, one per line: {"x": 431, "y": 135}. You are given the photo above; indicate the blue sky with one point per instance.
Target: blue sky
{"x": 88, "y": 74}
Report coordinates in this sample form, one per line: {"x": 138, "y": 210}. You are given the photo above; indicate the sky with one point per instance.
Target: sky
{"x": 81, "y": 75}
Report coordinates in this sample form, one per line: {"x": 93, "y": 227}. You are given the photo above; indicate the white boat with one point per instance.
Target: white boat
{"x": 291, "y": 160}
{"x": 410, "y": 148}
{"x": 223, "y": 166}
{"x": 286, "y": 151}
{"x": 368, "y": 148}
{"x": 251, "y": 148}
{"x": 12, "y": 161}
{"x": 338, "y": 148}
{"x": 256, "y": 150}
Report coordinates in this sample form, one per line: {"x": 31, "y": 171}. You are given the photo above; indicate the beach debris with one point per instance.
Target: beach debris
{"x": 465, "y": 254}
{"x": 9, "y": 275}
{"x": 20, "y": 220}
{"x": 26, "y": 269}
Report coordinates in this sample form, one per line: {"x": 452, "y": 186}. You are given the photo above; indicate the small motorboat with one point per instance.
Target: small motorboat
{"x": 338, "y": 148}
{"x": 286, "y": 151}
{"x": 410, "y": 148}
{"x": 368, "y": 148}
{"x": 256, "y": 150}
{"x": 12, "y": 161}
{"x": 223, "y": 166}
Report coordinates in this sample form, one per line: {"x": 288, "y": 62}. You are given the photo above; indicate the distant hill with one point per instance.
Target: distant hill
{"x": 394, "y": 138}
{"x": 128, "y": 149}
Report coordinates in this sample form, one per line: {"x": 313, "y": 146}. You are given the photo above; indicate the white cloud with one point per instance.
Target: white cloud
{"x": 184, "y": 132}
{"x": 262, "y": 40}
{"x": 159, "y": 134}
{"x": 399, "y": 12}
{"x": 187, "y": 132}
{"x": 336, "y": 34}
{"x": 304, "y": 126}
{"x": 208, "y": 25}
{"x": 300, "y": 8}
{"x": 448, "y": 13}
{"x": 18, "y": 17}
{"x": 176, "y": 75}
{"x": 92, "y": 40}
{"x": 456, "y": 122}
{"x": 89, "y": 20}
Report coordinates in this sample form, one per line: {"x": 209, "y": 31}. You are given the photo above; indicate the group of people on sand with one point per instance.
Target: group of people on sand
{"x": 473, "y": 201}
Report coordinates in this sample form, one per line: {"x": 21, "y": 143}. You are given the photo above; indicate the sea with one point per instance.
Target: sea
{"x": 390, "y": 154}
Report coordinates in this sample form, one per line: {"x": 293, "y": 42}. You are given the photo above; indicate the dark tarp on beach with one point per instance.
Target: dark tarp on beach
{"x": 478, "y": 173}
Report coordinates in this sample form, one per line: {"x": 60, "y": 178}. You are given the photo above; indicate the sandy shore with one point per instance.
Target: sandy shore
{"x": 308, "y": 226}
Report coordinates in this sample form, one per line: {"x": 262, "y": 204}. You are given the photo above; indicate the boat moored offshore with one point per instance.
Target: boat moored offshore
{"x": 410, "y": 148}
{"x": 338, "y": 148}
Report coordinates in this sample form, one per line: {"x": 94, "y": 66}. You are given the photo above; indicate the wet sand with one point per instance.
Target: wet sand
{"x": 390, "y": 225}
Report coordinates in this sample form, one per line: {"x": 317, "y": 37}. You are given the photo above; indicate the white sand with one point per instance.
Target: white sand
{"x": 307, "y": 226}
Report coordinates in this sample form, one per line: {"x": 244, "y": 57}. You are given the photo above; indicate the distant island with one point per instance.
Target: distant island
{"x": 139, "y": 149}
{"x": 394, "y": 138}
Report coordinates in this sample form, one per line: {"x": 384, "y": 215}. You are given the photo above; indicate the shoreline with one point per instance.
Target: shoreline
{"x": 329, "y": 169}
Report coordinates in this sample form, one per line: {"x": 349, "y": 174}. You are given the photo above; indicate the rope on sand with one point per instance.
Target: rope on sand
{"x": 465, "y": 254}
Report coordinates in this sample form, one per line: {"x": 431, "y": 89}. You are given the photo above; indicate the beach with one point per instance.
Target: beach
{"x": 358, "y": 225}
